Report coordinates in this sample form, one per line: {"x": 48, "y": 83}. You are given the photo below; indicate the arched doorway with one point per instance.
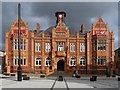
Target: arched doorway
{"x": 60, "y": 65}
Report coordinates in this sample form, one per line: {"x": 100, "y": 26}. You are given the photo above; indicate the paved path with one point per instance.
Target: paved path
{"x": 100, "y": 83}
{"x": 37, "y": 82}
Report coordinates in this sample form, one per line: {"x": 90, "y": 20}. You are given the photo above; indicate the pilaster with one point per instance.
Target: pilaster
{"x": 43, "y": 51}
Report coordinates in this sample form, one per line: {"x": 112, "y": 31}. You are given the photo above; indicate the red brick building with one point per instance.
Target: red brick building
{"x": 60, "y": 48}
{"x": 117, "y": 61}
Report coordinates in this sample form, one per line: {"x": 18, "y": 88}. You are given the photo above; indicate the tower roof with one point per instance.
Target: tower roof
{"x": 21, "y": 22}
{"x": 100, "y": 23}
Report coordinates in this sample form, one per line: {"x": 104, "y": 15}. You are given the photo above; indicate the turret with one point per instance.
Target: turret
{"x": 60, "y": 17}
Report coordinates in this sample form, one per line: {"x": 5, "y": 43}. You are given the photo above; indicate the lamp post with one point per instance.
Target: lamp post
{"x": 19, "y": 71}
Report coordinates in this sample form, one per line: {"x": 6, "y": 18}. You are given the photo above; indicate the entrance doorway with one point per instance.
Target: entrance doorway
{"x": 60, "y": 65}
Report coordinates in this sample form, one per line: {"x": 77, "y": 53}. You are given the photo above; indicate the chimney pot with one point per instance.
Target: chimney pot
{"x": 82, "y": 28}
{"x": 37, "y": 27}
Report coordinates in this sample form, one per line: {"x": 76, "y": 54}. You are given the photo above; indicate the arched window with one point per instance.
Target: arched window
{"x": 82, "y": 61}
{"x": 72, "y": 61}
{"x": 38, "y": 61}
{"x": 48, "y": 61}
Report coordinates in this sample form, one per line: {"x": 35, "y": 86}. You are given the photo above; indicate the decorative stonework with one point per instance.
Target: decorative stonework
{"x": 60, "y": 33}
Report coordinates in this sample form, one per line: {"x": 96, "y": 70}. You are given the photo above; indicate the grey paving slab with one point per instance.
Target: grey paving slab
{"x": 34, "y": 83}
{"x": 78, "y": 85}
{"x": 83, "y": 82}
{"x": 60, "y": 84}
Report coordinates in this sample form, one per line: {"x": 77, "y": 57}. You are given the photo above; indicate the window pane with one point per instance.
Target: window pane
{"x": 72, "y": 46}
{"x": 82, "y": 61}
{"x": 48, "y": 62}
{"x": 24, "y": 47}
{"x": 37, "y": 46}
{"x": 70, "y": 62}
{"x": 36, "y": 62}
{"x": 15, "y": 61}
{"x": 39, "y": 62}
{"x": 21, "y": 61}
{"x": 24, "y": 61}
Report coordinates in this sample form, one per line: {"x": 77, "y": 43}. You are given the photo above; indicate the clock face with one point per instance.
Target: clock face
{"x": 60, "y": 16}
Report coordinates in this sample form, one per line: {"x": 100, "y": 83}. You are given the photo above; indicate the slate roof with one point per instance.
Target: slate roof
{"x": 117, "y": 49}
{"x": 71, "y": 30}
{"x": 39, "y": 32}
{"x": 48, "y": 31}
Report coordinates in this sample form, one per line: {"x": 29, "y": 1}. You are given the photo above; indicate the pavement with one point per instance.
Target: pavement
{"x": 49, "y": 82}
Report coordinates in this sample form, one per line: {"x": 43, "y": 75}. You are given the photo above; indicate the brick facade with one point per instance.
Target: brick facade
{"x": 64, "y": 48}
{"x": 117, "y": 61}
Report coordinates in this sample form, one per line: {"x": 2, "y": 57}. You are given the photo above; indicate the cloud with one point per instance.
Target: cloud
{"x": 0, "y": 26}
{"x": 93, "y": 19}
{"x": 77, "y": 13}
{"x": 60, "y": 0}
{"x": 43, "y": 21}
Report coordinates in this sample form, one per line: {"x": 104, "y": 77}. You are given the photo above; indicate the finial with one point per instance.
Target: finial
{"x": 100, "y": 16}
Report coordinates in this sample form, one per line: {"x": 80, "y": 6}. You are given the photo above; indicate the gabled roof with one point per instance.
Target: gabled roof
{"x": 21, "y": 22}
{"x": 100, "y": 23}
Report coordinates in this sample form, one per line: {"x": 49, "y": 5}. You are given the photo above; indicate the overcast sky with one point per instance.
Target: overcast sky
{"x": 0, "y": 26}
{"x": 77, "y": 13}
{"x": 60, "y": 0}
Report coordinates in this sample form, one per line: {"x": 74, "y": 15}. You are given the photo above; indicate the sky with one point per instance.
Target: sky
{"x": 0, "y": 26}
{"x": 77, "y": 13}
{"x": 60, "y": 0}
{"x": 119, "y": 25}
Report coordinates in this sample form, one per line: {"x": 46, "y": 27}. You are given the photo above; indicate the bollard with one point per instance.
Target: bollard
{"x": 93, "y": 78}
{"x": 26, "y": 78}
{"x": 60, "y": 78}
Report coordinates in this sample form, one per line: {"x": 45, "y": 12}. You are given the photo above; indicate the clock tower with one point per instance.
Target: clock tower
{"x": 60, "y": 16}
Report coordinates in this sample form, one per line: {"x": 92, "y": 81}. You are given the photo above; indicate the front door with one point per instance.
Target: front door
{"x": 60, "y": 65}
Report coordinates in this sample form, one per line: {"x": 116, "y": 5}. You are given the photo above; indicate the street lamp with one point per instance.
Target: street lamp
{"x": 19, "y": 71}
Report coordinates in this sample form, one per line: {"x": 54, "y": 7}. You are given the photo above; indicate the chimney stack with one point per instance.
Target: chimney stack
{"x": 37, "y": 27}
{"x": 82, "y": 28}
